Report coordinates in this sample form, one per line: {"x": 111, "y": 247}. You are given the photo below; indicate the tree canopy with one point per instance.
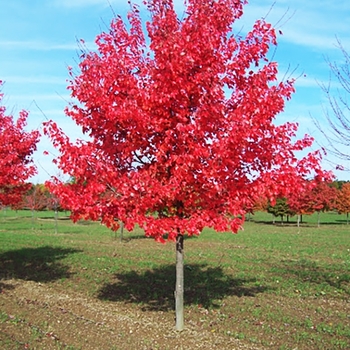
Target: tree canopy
{"x": 181, "y": 123}
{"x": 16, "y": 149}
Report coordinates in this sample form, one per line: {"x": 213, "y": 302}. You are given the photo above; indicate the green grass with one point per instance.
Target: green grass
{"x": 282, "y": 287}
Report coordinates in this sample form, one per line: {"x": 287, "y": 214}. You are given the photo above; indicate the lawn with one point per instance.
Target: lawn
{"x": 268, "y": 287}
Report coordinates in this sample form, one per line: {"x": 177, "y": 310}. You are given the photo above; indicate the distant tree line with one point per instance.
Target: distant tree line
{"x": 317, "y": 197}
{"x": 36, "y": 198}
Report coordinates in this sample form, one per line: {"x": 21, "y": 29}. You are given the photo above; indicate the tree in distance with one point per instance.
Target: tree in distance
{"x": 281, "y": 208}
{"x": 343, "y": 200}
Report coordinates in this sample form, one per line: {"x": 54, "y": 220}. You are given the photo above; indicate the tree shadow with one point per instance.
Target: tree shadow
{"x": 50, "y": 218}
{"x": 130, "y": 236}
{"x": 343, "y": 221}
{"x": 310, "y": 271}
{"x": 269, "y": 223}
{"x": 5, "y": 286}
{"x": 304, "y": 223}
{"x": 154, "y": 289}
{"x": 335, "y": 222}
{"x": 35, "y": 264}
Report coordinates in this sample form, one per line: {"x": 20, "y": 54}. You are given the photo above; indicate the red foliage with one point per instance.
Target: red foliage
{"x": 37, "y": 198}
{"x": 343, "y": 199}
{"x": 16, "y": 149}
{"x": 180, "y": 124}
{"x": 316, "y": 195}
{"x": 299, "y": 200}
{"x": 323, "y": 197}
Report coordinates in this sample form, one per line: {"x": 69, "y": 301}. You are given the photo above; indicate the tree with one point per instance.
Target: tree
{"x": 299, "y": 201}
{"x": 343, "y": 200}
{"x": 180, "y": 125}
{"x": 261, "y": 204}
{"x": 16, "y": 149}
{"x": 54, "y": 204}
{"x": 321, "y": 198}
{"x": 280, "y": 208}
{"x": 36, "y": 199}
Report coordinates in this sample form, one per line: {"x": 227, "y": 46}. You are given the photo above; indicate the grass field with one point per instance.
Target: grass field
{"x": 268, "y": 287}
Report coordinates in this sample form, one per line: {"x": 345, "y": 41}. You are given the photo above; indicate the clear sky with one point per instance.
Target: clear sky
{"x": 38, "y": 40}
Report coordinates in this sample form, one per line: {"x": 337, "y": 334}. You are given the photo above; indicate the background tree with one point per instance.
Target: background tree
{"x": 261, "y": 204}
{"x": 321, "y": 198}
{"x": 299, "y": 201}
{"x": 180, "y": 125}
{"x": 16, "y": 150}
{"x": 280, "y": 209}
{"x": 343, "y": 200}
{"x": 54, "y": 204}
{"x": 36, "y": 199}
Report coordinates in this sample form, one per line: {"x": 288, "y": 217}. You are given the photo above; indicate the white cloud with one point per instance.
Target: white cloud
{"x": 34, "y": 79}
{"x": 85, "y": 3}
{"x": 311, "y": 37}
{"x": 39, "y": 96}
{"x": 305, "y": 81}
{"x": 36, "y": 45}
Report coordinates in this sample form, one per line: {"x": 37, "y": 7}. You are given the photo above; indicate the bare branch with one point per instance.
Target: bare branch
{"x": 337, "y": 129}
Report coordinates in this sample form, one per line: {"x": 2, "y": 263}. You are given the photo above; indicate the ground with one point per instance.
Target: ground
{"x": 270, "y": 287}
{"x": 52, "y": 319}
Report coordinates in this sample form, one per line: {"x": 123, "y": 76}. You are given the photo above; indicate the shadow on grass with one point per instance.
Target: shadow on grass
{"x": 302, "y": 224}
{"x": 335, "y": 222}
{"x": 309, "y": 271}
{"x": 154, "y": 289}
{"x": 5, "y": 286}
{"x": 130, "y": 236}
{"x": 62, "y": 218}
{"x": 276, "y": 223}
{"x": 343, "y": 221}
{"x": 35, "y": 264}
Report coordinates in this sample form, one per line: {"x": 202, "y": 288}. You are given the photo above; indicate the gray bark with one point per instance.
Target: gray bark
{"x": 179, "y": 288}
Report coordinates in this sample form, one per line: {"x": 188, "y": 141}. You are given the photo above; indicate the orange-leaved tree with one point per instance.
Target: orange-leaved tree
{"x": 180, "y": 118}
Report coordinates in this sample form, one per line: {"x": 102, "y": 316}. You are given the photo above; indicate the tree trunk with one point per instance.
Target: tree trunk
{"x": 179, "y": 288}
{"x": 347, "y": 218}
{"x": 121, "y": 231}
{"x": 32, "y": 219}
{"x": 298, "y": 220}
{"x": 56, "y": 221}
{"x": 318, "y": 219}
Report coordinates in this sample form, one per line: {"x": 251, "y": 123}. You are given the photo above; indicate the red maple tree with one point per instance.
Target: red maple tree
{"x": 16, "y": 149}
{"x": 180, "y": 124}
{"x": 299, "y": 199}
{"x": 343, "y": 200}
{"x": 317, "y": 196}
{"x": 36, "y": 199}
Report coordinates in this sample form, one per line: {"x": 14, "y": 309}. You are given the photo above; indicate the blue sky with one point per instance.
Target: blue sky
{"x": 38, "y": 40}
